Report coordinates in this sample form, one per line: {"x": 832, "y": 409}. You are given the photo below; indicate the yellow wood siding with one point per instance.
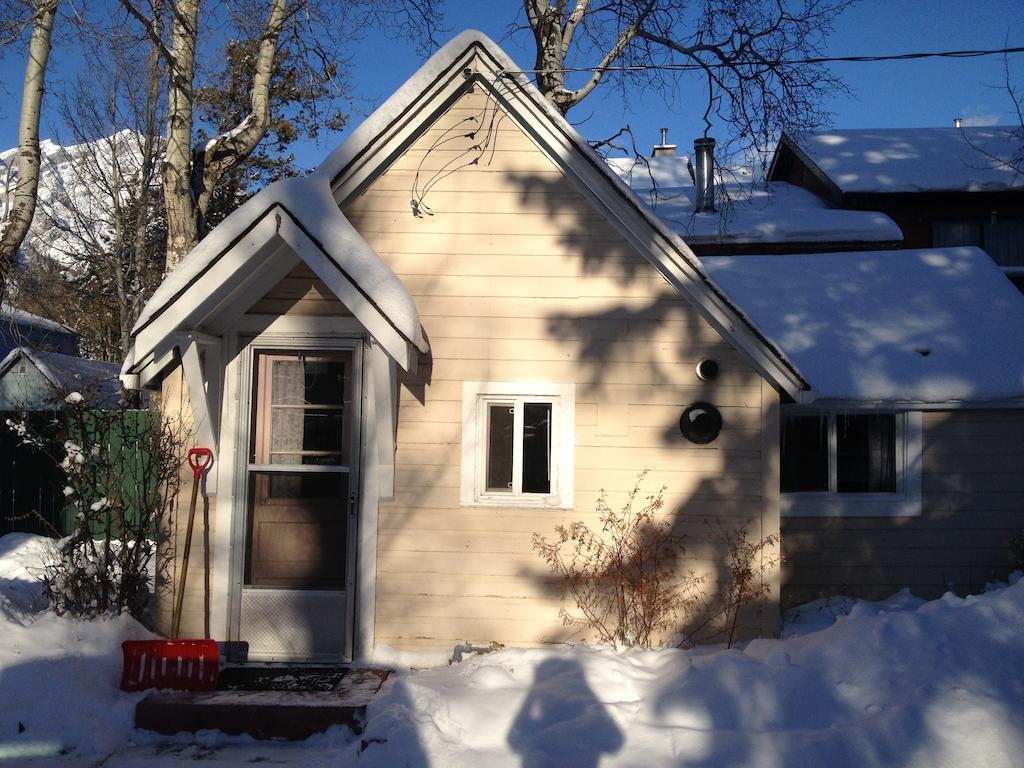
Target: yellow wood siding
{"x": 301, "y": 292}
{"x": 972, "y": 493}
{"x": 516, "y": 277}
{"x": 178, "y": 412}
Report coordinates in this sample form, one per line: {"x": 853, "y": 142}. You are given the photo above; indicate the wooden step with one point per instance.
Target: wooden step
{"x": 263, "y": 714}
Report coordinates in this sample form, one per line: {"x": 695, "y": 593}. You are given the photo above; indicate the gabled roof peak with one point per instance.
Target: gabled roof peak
{"x": 471, "y": 59}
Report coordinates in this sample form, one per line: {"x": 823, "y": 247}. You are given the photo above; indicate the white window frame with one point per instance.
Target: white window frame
{"x": 476, "y": 396}
{"x": 905, "y": 502}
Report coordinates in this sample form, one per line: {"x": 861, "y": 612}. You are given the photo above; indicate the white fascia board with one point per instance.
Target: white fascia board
{"x": 363, "y": 158}
{"x": 130, "y": 381}
{"x": 203, "y": 409}
{"x": 261, "y": 260}
{"x": 347, "y": 292}
{"x": 149, "y": 371}
{"x": 844, "y": 404}
{"x": 383, "y": 391}
{"x": 210, "y": 290}
{"x": 359, "y": 165}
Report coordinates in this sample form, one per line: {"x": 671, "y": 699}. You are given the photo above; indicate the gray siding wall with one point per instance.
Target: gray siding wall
{"x": 973, "y": 503}
{"x": 29, "y": 390}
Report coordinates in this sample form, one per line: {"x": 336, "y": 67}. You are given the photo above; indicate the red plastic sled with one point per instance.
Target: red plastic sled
{"x": 186, "y": 665}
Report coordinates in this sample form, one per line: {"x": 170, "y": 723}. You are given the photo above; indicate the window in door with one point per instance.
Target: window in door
{"x": 300, "y": 470}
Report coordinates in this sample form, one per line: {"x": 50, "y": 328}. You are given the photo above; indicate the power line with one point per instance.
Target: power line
{"x": 782, "y": 62}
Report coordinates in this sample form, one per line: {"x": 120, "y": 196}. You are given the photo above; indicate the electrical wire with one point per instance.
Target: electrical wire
{"x": 781, "y": 62}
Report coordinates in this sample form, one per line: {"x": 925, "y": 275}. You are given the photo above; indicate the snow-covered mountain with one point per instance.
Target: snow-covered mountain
{"x": 80, "y": 188}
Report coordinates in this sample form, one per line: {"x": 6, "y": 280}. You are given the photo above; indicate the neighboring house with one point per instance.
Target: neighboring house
{"x": 750, "y": 216}
{"x": 942, "y": 186}
{"x": 33, "y": 380}
{"x": 19, "y": 328}
{"x": 458, "y": 331}
{"x": 907, "y": 467}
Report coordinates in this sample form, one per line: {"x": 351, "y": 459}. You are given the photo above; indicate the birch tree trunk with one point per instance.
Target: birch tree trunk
{"x": 182, "y": 229}
{"x": 190, "y": 175}
{"x": 23, "y": 205}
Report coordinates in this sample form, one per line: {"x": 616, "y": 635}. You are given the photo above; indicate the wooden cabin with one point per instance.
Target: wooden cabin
{"x": 456, "y": 333}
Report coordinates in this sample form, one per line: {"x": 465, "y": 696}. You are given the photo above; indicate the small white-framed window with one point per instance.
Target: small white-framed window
{"x": 518, "y": 441}
{"x": 850, "y": 463}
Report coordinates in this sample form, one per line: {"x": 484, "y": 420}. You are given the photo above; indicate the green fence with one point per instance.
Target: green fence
{"x": 31, "y": 484}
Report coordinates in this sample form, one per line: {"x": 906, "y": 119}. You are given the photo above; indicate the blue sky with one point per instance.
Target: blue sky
{"x": 889, "y": 94}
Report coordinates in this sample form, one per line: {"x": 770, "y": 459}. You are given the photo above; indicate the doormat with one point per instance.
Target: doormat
{"x": 316, "y": 679}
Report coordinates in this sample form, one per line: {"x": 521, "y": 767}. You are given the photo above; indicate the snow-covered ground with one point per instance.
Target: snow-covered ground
{"x": 899, "y": 683}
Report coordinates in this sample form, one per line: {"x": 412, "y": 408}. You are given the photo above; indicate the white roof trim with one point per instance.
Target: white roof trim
{"x": 301, "y": 215}
{"x": 443, "y": 78}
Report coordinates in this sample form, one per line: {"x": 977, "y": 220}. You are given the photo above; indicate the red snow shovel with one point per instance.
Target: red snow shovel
{"x": 190, "y": 665}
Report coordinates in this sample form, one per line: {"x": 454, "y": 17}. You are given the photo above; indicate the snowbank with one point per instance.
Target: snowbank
{"x": 58, "y": 676}
{"x": 855, "y": 684}
{"x": 901, "y": 683}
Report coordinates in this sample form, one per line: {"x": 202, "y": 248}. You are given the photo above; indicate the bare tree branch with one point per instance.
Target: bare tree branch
{"x": 743, "y": 47}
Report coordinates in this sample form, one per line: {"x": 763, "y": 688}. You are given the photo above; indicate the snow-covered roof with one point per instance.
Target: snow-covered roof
{"x": 295, "y": 209}
{"x": 747, "y": 211}
{"x": 22, "y": 317}
{"x": 96, "y": 380}
{"x": 915, "y": 159}
{"x": 930, "y": 326}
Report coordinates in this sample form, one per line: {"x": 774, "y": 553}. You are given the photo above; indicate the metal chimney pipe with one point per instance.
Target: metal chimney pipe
{"x": 956, "y": 121}
{"x": 664, "y": 148}
{"x": 704, "y": 149}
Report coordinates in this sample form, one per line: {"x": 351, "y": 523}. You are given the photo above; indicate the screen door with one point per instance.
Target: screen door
{"x": 296, "y": 601}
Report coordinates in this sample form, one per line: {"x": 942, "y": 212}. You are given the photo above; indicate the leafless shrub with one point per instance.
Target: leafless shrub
{"x": 748, "y": 562}
{"x": 624, "y": 577}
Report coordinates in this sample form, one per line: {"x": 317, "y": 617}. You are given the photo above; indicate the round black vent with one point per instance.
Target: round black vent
{"x": 700, "y": 423}
{"x": 707, "y": 370}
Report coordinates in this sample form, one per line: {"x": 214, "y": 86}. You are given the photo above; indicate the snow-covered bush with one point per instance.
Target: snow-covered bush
{"x": 623, "y": 577}
{"x": 120, "y": 470}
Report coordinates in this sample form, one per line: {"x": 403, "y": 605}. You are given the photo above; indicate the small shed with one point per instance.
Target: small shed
{"x": 32, "y": 380}
{"x": 451, "y": 336}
